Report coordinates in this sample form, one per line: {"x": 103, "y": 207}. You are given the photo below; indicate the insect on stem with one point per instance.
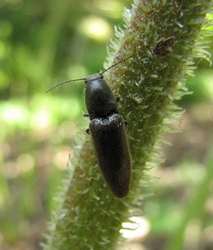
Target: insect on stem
{"x": 107, "y": 128}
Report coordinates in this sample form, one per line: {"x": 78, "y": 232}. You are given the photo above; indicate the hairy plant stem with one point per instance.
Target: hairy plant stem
{"x": 159, "y": 40}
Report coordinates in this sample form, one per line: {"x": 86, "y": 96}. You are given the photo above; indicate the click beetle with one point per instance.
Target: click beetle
{"x": 108, "y": 130}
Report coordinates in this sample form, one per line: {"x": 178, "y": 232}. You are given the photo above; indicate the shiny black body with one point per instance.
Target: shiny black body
{"x": 108, "y": 131}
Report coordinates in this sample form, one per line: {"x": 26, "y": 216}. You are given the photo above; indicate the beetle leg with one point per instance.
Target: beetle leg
{"x": 117, "y": 99}
{"x": 126, "y": 124}
{"x": 87, "y": 131}
{"x": 86, "y": 115}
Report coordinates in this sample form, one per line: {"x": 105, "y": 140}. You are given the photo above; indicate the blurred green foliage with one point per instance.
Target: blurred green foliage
{"x": 44, "y": 40}
{"x": 41, "y": 43}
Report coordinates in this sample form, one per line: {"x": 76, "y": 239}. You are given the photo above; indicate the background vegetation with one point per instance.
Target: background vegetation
{"x": 43, "y": 42}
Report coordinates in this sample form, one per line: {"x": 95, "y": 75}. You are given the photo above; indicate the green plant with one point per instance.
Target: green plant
{"x": 160, "y": 37}
{"x": 195, "y": 208}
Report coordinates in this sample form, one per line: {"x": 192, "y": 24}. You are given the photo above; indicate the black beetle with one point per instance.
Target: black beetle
{"x": 108, "y": 131}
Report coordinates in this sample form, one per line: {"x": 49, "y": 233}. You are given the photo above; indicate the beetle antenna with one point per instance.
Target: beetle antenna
{"x": 65, "y": 82}
{"x": 83, "y": 79}
{"x": 115, "y": 64}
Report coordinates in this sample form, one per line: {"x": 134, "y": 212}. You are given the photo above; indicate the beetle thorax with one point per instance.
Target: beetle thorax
{"x": 100, "y": 101}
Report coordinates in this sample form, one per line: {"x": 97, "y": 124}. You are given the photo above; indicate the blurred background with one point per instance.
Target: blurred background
{"x": 43, "y": 42}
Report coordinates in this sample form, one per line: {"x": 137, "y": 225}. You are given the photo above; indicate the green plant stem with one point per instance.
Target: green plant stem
{"x": 160, "y": 38}
{"x": 195, "y": 207}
